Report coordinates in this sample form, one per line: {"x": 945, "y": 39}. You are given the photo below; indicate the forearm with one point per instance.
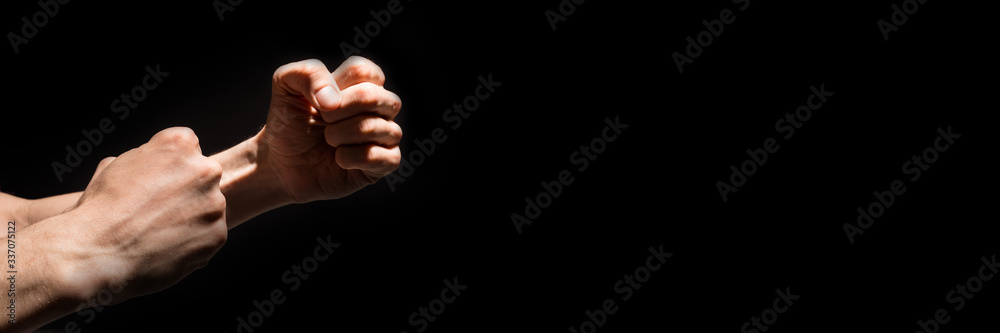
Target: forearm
{"x": 250, "y": 188}
{"x": 12, "y": 208}
{"x": 27, "y": 212}
{"x": 40, "y": 209}
{"x": 37, "y": 293}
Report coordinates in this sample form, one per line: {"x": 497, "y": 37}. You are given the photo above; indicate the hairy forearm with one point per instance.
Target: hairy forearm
{"x": 37, "y": 291}
{"x": 250, "y": 188}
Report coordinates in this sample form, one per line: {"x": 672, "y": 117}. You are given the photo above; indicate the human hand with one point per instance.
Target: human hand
{"x": 147, "y": 219}
{"x": 329, "y": 134}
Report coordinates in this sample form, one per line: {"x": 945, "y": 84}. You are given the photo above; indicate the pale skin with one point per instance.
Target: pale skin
{"x": 156, "y": 213}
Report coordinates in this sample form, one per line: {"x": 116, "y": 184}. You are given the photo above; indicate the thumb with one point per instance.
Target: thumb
{"x": 310, "y": 79}
{"x": 100, "y": 167}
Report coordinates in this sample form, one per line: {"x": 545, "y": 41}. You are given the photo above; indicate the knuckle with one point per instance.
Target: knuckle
{"x": 386, "y": 161}
{"x": 362, "y": 69}
{"x": 208, "y": 168}
{"x": 393, "y": 160}
{"x": 216, "y": 231}
{"x": 179, "y": 136}
{"x": 219, "y": 235}
{"x": 307, "y": 66}
{"x": 358, "y": 70}
{"x": 280, "y": 71}
{"x": 318, "y": 78}
{"x": 212, "y": 167}
{"x": 395, "y": 131}
{"x": 367, "y": 95}
{"x": 217, "y": 202}
{"x": 356, "y": 58}
{"x": 310, "y": 63}
{"x": 368, "y": 126}
{"x": 373, "y": 158}
{"x": 397, "y": 105}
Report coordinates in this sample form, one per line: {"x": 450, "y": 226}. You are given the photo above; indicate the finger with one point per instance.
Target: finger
{"x": 100, "y": 167}
{"x": 310, "y": 79}
{"x": 357, "y": 69}
{"x": 209, "y": 172}
{"x": 182, "y": 137}
{"x": 363, "y": 129}
{"x": 364, "y": 97}
{"x": 375, "y": 160}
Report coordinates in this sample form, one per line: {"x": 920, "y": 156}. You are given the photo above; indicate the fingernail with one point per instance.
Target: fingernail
{"x": 328, "y": 98}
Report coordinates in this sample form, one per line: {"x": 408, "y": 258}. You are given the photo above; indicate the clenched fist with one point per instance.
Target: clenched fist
{"x": 330, "y": 134}
{"x": 158, "y": 212}
{"x": 327, "y": 135}
{"x": 153, "y": 215}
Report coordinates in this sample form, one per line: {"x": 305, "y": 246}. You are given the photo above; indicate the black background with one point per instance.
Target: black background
{"x": 653, "y": 186}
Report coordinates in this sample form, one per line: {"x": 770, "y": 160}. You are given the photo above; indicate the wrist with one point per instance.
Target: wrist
{"x": 249, "y": 183}
{"x": 73, "y": 274}
{"x": 48, "y": 283}
{"x": 14, "y": 208}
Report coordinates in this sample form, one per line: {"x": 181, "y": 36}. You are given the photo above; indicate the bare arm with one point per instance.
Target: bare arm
{"x": 150, "y": 218}
{"x": 39, "y": 293}
{"x": 155, "y": 214}
{"x": 30, "y": 211}
{"x": 36, "y": 210}
{"x": 250, "y": 188}
{"x": 27, "y": 212}
{"x": 327, "y": 135}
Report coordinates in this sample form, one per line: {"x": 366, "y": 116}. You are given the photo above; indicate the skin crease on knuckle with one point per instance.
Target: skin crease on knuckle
{"x": 318, "y": 79}
{"x": 282, "y": 75}
{"x": 397, "y": 105}
{"x": 396, "y": 132}
{"x": 369, "y": 127}
{"x": 366, "y": 95}
{"x": 315, "y": 70}
{"x": 276, "y": 77}
{"x": 388, "y": 131}
{"x": 384, "y": 161}
{"x": 378, "y": 165}
{"x": 394, "y": 159}
{"x": 363, "y": 70}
